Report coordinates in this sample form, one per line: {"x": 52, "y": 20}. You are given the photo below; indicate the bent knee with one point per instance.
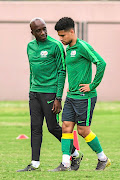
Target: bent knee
{"x": 51, "y": 130}
{"x": 83, "y": 131}
{"x": 67, "y": 127}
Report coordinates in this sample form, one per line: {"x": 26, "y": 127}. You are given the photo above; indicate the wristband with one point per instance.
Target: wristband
{"x": 58, "y": 98}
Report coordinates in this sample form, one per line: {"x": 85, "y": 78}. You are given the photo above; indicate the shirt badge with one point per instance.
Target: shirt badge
{"x": 43, "y": 54}
{"x": 73, "y": 53}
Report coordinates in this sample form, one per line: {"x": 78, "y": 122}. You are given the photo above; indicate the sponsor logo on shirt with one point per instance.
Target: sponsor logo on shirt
{"x": 43, "y": 54}
{"x": 73, "y": 53}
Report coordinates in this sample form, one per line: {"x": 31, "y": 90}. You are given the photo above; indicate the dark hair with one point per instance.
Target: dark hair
{"x": 64, "y": 23}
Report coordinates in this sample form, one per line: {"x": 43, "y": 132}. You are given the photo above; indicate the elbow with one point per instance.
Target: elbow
{"x": 104, "y": 64}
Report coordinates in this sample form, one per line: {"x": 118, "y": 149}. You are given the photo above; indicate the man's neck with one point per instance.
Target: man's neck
{"x": 73, "y": 42}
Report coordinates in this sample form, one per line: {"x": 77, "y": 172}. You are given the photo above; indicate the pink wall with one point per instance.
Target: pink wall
{"x": 14, "y": 68}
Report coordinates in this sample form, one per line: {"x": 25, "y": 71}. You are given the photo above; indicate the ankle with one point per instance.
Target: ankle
{"x": 35, "y": 164}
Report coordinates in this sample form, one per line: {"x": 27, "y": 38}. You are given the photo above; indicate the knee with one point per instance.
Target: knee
{"x": 67, "y": 127}
{"x": 83, "y": 131}
{"x": 51, "y": 130}
{"x": 54, "y": 129}
{"x": 64, "y": 128}
{"x": 36, "y": 129}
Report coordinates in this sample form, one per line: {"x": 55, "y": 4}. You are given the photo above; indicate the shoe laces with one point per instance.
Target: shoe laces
{"x": 73, "y": 161}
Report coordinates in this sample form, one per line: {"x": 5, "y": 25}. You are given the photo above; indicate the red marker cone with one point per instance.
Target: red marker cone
{"x": 75, "y": 140}
{"x": 22, "y": 136}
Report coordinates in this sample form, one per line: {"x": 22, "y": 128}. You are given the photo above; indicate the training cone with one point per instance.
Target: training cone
{"x": 22, "y": 136}
{"x": 75, "y": 140}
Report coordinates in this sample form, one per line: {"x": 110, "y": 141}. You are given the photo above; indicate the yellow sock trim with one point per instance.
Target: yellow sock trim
{"x": 90, "y": 137}
{"x": 67, "y": 135}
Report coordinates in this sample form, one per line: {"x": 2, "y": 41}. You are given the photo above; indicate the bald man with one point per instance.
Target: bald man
{"x": 47, "y": 77}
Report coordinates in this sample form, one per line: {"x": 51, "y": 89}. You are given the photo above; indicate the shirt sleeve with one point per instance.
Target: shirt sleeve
{"x": 61, "y": 68}
{"x": 30, "y": 78}
{"x": 90, "y": 54}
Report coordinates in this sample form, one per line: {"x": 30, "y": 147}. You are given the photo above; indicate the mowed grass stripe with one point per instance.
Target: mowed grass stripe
{"x": 14, "y": 124}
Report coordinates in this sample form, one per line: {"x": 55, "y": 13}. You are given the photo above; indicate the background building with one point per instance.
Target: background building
{"x": 98, "y": 23}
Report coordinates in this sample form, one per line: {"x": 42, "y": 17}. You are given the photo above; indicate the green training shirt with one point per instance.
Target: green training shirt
{"x": 47, "y": 66}
{"x": 79, "y": 61}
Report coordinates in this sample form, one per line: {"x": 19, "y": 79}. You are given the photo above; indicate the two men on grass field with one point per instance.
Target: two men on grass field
{"x": 47, "y": 76}
{"x": 82, "y": 96}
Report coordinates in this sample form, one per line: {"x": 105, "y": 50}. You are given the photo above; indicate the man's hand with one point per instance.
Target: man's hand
{"x": 84, "y": 88}
{"x": 56, "y": 107}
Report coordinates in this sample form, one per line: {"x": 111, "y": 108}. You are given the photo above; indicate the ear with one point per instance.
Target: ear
{"x": 32, "y": 33}
{"x": 72, "y": 31}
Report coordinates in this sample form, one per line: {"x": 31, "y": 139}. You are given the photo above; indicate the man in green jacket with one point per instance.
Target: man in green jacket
{"x": 82, "y": 95}
{"x": 47, "y": 77}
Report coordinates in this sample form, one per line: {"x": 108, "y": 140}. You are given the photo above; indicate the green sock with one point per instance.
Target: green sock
{"x": 93, "y": 142}
{"x": 67, "y": 143}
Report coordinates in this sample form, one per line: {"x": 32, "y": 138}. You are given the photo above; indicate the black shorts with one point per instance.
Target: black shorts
{"x": 79, "y": 110}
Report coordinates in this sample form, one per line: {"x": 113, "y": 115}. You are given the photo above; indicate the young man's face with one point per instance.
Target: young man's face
{"x": 39, "y": 30}
{"x": 65, "y": 36}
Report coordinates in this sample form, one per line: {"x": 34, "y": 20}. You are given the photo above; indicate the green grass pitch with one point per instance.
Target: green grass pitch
{"x": 16, "y": 154}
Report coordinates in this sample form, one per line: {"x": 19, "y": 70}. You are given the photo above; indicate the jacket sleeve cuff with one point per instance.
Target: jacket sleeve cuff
{"x": 91, "y": 87}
